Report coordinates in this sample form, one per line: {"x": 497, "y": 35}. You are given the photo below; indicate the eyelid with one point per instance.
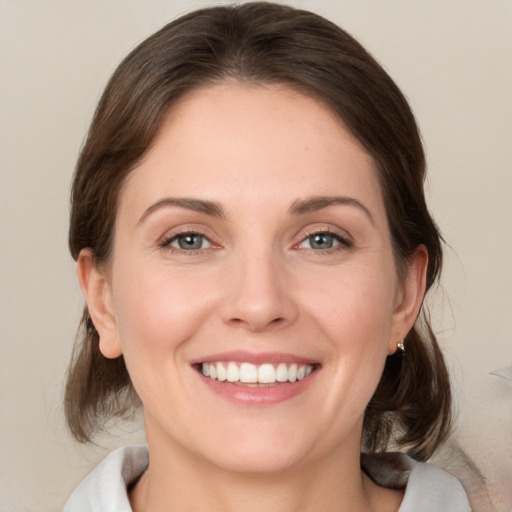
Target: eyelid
{"x": 323, "y": 229}
{"x": 344, "y": 239}
{"x": 175, "y": 238}
{"x": 164, "y": 242}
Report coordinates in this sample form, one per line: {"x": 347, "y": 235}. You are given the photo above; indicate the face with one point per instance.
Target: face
{"x": 252, "y": 288}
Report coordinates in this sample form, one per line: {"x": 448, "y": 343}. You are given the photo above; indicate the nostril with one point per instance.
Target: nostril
{"x": 258, "y": 324}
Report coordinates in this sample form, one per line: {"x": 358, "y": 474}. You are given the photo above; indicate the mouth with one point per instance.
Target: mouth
{"x": 256, "y": 379}
{"x": 255, "y": 375}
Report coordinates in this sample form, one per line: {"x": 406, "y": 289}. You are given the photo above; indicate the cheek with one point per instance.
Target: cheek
{"x": 158, "y": 313}
{"x": 356, "y": 318}
{"x": 355, "y": 305}
{"x": 158, "y": 310}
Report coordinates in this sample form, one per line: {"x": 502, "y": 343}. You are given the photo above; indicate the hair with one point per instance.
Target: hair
{"x": 262, "y": 43}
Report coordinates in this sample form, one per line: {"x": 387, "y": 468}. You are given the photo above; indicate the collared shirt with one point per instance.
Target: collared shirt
{"x": 428, "y": 489}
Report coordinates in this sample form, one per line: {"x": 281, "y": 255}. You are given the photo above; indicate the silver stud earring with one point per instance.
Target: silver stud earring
{"x": 401, "y": 347}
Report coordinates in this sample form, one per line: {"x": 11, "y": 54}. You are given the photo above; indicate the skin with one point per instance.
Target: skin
{"x": 258, "y": 285}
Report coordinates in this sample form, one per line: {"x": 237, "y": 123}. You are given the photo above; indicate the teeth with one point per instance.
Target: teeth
{"x": 282, "y": 373}
{"x": 233, "y": 373}
{"x": 248, "y": 373}
{"x": 266, "y": 374}
{"x": 221, "y": 372}
{"x": 292, "y": 373}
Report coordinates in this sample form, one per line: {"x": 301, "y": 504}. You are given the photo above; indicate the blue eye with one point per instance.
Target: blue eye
{"x": 188, "y": 242}
{"x": 323, "y": 241}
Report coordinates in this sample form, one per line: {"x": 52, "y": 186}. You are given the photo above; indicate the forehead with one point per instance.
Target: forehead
{"x": 233, "y": 142}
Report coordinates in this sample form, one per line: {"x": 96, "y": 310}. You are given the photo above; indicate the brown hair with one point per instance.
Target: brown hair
{"x": 262, "y": 43}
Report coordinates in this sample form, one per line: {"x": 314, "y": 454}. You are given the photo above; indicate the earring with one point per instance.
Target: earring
{"x": 401, "y": 347}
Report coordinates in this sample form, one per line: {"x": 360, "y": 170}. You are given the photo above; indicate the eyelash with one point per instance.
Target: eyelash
{"x": 166, "y": 243}
{"x": 344, "y": 243}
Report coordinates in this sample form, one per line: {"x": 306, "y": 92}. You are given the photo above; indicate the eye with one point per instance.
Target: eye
{"x": 188, "y": 242}
{"x": 323, "y": 241}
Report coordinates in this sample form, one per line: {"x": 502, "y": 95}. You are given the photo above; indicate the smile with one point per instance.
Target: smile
{"x": 248, "y": 373}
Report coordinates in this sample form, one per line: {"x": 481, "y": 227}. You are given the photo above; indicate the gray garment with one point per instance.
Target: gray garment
{"x": 428, "y": 489}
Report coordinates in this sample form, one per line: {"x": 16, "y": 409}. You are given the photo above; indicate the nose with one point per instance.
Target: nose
{"x": 259, "y": 294}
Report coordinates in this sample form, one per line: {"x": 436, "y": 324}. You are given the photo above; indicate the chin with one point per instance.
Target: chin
{"x": 259, "y": 459}
{"x": 265, "y": 448}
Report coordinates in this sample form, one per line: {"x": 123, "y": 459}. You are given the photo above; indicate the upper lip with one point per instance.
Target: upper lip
{"x": 256, "y": 358}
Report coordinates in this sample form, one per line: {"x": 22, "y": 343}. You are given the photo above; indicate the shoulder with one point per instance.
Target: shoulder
{"x": 105, "y": 487}
{"x": 427, "y": 488}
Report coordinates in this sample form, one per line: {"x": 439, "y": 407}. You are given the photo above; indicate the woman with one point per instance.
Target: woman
{"x": 253, "y": 243}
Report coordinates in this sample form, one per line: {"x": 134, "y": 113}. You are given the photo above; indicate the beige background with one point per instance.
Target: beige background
{"x": 453, "y": 59}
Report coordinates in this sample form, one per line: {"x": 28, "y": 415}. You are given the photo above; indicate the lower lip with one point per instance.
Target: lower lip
{"x": 273, "y": 394}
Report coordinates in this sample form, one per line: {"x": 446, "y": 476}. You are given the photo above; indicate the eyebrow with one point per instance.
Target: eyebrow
{"x": 315, "y": 203}
{"x": 298, "y": 207}
{"x": 197, "y": 205}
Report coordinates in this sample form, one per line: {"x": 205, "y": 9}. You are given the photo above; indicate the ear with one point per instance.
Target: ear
{"x": 98, "y": 294}
{"x": 409, "y": 298}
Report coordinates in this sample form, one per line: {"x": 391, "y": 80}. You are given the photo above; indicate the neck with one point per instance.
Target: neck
{"x": 176, "y": 479}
